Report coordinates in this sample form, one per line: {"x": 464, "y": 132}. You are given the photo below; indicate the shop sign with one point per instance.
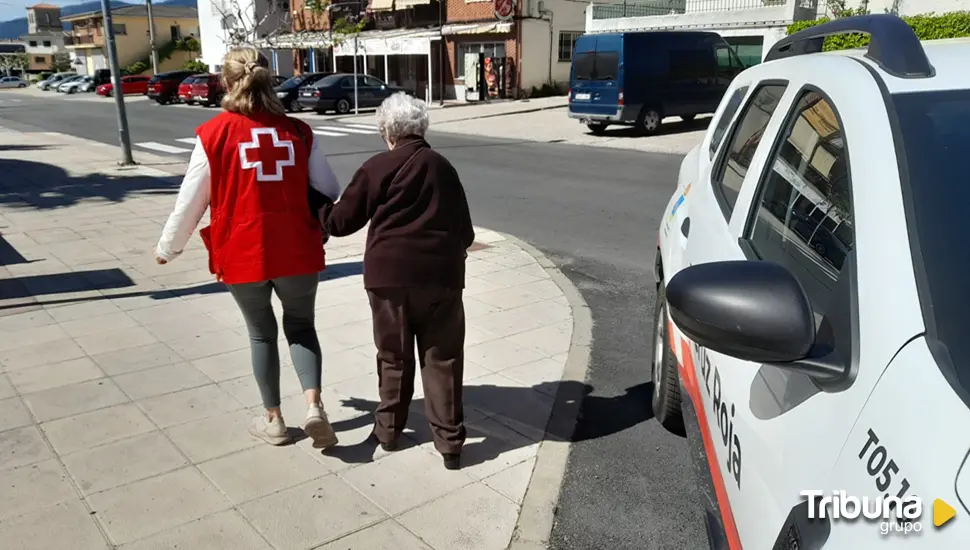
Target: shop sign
{"x": 504, "y": 9}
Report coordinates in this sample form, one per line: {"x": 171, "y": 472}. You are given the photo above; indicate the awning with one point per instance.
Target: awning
{"x": 383, "y": 5}
{"x": 401, "y": 4}
{"x": 476, "y": 28}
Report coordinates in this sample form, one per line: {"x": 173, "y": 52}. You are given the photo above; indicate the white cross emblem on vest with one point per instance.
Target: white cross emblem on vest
{"x": 262, "y": 153}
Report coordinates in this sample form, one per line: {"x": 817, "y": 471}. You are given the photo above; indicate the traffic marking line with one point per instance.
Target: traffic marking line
{"x": 345, "y": 128}
{"x": 190, "y": 141}
{"x": 327, "y": 133}
{"x": 161, "y": 147}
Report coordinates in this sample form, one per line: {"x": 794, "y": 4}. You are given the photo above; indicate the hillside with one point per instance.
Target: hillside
{"x": 15, "y": 28}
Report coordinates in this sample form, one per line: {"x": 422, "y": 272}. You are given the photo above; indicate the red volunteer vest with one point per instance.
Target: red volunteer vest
{"x": 261, "y": 227}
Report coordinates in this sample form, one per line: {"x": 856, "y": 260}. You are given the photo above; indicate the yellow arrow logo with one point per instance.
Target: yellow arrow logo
{"x": 942, "y": 512}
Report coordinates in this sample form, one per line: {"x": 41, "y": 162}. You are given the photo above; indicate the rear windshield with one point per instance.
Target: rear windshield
{"x": 935, "y": 139}
{"x": 201, "y": 79}
{"x": 596, "y": 65}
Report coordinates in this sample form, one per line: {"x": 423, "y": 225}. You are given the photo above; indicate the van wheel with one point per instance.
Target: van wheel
{"x": 666, "y": 381}
{"x": 597, "y": 128}
{"x": 687, "y": 118}
{"x": 649, "y": 121}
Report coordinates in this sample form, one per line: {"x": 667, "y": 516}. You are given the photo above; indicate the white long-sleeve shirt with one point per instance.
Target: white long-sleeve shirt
{"x": 194, "y": 194}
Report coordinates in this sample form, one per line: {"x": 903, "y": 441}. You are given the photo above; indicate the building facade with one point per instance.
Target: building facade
{"x": 87, "y": 38}
{"x": 45, "y": 39}
{"x": 224, "y": 23}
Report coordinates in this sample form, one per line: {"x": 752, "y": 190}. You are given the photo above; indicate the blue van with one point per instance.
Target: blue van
{"x": 638, "y": 78}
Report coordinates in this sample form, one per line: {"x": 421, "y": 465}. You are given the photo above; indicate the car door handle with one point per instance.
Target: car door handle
{"x": 685, "y": 227}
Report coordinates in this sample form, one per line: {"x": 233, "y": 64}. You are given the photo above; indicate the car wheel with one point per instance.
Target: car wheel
{"x": 597, "y": 128}
{"x": 649, "y": 121}
{"x": 296, "y": 106}
{"x": 22, "y": 85}
{"x": 343, "y": 107}
{"x": 666, "y": 381}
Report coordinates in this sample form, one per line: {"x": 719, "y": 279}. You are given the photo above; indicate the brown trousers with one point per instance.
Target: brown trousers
{"x": 435, "y": 317}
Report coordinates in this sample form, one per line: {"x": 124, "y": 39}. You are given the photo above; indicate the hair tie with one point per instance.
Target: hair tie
{"x": 251, "y": 66}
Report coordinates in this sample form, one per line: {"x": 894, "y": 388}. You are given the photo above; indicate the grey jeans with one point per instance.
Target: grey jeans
{"x": 298, "y": 296}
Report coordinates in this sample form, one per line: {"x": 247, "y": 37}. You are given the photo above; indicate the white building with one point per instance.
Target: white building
{"x": 753, "y": 26}
{"x": 223, "y": 23}
{"x": 44, "y": 41}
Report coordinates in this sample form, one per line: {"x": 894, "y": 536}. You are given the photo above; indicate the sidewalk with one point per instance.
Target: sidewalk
{"x": 125, "y": 387}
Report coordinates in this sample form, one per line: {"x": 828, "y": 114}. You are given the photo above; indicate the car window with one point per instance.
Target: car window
{"x": 347, "y": 82}
{"x": 691, "y": 63}
{"x": 371, "y": 81}
{"x": 745, "y": 137}
{"x": 934, "y": 135}
{"x": 804, "y": 210}
{"x": 729, "y": 111}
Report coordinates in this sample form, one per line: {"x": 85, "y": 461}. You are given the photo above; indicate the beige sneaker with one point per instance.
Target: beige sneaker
{"x": 271, "y": 431}
{"x": 318, "y": 428}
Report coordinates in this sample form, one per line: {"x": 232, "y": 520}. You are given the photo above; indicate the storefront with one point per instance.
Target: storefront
{"x": 405, "y": 58}
{"x": 465, "y": 43}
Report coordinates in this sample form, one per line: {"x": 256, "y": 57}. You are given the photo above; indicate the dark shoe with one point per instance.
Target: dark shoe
{"x": 388, "y": 447}
{"x": 452, "y": 461}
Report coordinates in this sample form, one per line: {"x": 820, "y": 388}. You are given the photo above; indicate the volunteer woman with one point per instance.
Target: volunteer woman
{"x": 252, "y": 165}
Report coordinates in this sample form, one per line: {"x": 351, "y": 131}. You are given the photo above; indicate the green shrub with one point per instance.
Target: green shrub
{"x": 548, "y": 90}
{"x": 927, "y": 27}
{"x": 196, "y": 66}
{"x": 137, "y": 67}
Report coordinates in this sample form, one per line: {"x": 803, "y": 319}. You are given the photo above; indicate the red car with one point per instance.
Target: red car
{"x": 129, "y": 85}
{"x": 185, "y": 90}
{"x": 207, "y": 89}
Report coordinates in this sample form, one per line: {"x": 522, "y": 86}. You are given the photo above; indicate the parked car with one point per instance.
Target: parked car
{"x": 185, "y": 90}
{"x": 61, "y": 86}
{"x": 207, "y": 89}
{"x": 164, "y": 87}
{"x": 336, "y": 93}
{"x": 824, "y": 360}
{"x": 639, "y": 78}
{"x": 53, "y": 79}
{"x": 130, "y": 85}
{"x": 77, "y": 85}
{"x": 102, "y": 76}
{"x": 13, "y": 82}
{"x": 289, "y": 90}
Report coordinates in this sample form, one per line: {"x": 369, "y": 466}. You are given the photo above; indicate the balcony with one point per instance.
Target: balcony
{"x": 86, "y": 40}
{"x": 699, "y": 14}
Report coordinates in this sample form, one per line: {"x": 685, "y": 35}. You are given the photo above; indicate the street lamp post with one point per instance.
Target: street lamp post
{"x": 151, "y": 37}
{"x": 356, "y": 110}
{"x": 109, "y": 37}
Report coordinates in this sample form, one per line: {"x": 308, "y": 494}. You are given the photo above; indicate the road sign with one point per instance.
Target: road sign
{"x": 504, "y": 9}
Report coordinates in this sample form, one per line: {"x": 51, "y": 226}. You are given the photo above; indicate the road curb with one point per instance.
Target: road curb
{"x": 540, "y": 505}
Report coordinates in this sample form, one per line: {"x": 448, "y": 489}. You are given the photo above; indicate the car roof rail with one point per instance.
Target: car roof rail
{"x": 893, "y": 45}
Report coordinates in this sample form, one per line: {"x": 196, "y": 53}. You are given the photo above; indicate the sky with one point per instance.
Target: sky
{"x": 12, "y": 9}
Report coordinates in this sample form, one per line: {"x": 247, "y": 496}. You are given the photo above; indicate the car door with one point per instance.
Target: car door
{"x": 790, "y": 426}
{"x": 378, "y": 89}
{"x": 5, "y": 82}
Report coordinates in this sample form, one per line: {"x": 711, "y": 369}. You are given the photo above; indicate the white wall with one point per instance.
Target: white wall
{"x": 214, "y": 38}
{"x": 540, "y": 56}
{"x": 916, "y": 7}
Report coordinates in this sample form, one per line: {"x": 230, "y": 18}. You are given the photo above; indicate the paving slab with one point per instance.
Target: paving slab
{"x": 126, "y": 387}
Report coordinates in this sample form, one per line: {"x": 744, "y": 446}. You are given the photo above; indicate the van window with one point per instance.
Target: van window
{"x": 596, "y": 66}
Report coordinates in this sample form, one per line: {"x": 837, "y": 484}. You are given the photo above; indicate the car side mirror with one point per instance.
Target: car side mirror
{"x": 751, "y": 310}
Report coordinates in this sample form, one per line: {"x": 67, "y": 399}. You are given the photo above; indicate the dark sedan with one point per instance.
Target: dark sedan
{"x": 336, "y": 93}
{"x": 289, "y": 91}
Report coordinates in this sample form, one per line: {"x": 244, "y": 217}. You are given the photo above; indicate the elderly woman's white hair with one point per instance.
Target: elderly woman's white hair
{"x": 402, "y": 115}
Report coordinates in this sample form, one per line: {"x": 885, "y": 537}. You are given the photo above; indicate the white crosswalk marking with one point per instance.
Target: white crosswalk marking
{"x": 328, "y": 133}
{"x": 190, "y": 141}
{"x": 161, "y": 147}
{"x": 345, "y": 128}
{"x": 361, "y": 126}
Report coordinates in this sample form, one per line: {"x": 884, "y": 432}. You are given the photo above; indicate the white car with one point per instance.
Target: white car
{"x": 54, "y": 80}
{"x": 13, "y": 82}
{"x": 63, "y": 85}
{"x": 76, "y": 85}
{"x": 813, "y": 313}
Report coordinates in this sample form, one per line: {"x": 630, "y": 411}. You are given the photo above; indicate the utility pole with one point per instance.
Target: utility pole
{"x": 442, "y": 54}
{"x": 109, "y": 38}
{"x": 151, "y": 37}
{"x": 356, "y": 111}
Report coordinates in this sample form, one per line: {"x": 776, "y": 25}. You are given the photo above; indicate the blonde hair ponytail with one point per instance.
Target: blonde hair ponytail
{"x": 249, "y": 83}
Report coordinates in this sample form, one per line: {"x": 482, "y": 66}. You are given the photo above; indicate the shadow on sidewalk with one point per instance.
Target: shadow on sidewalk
{"x": 666, "y": 129}
{"x": 34, "y": 185}
{"x": 36, "y": 286}
{"x": 522, "y": 410}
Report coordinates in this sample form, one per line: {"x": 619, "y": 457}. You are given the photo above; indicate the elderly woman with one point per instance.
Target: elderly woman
{"x": 414, "y": 272}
